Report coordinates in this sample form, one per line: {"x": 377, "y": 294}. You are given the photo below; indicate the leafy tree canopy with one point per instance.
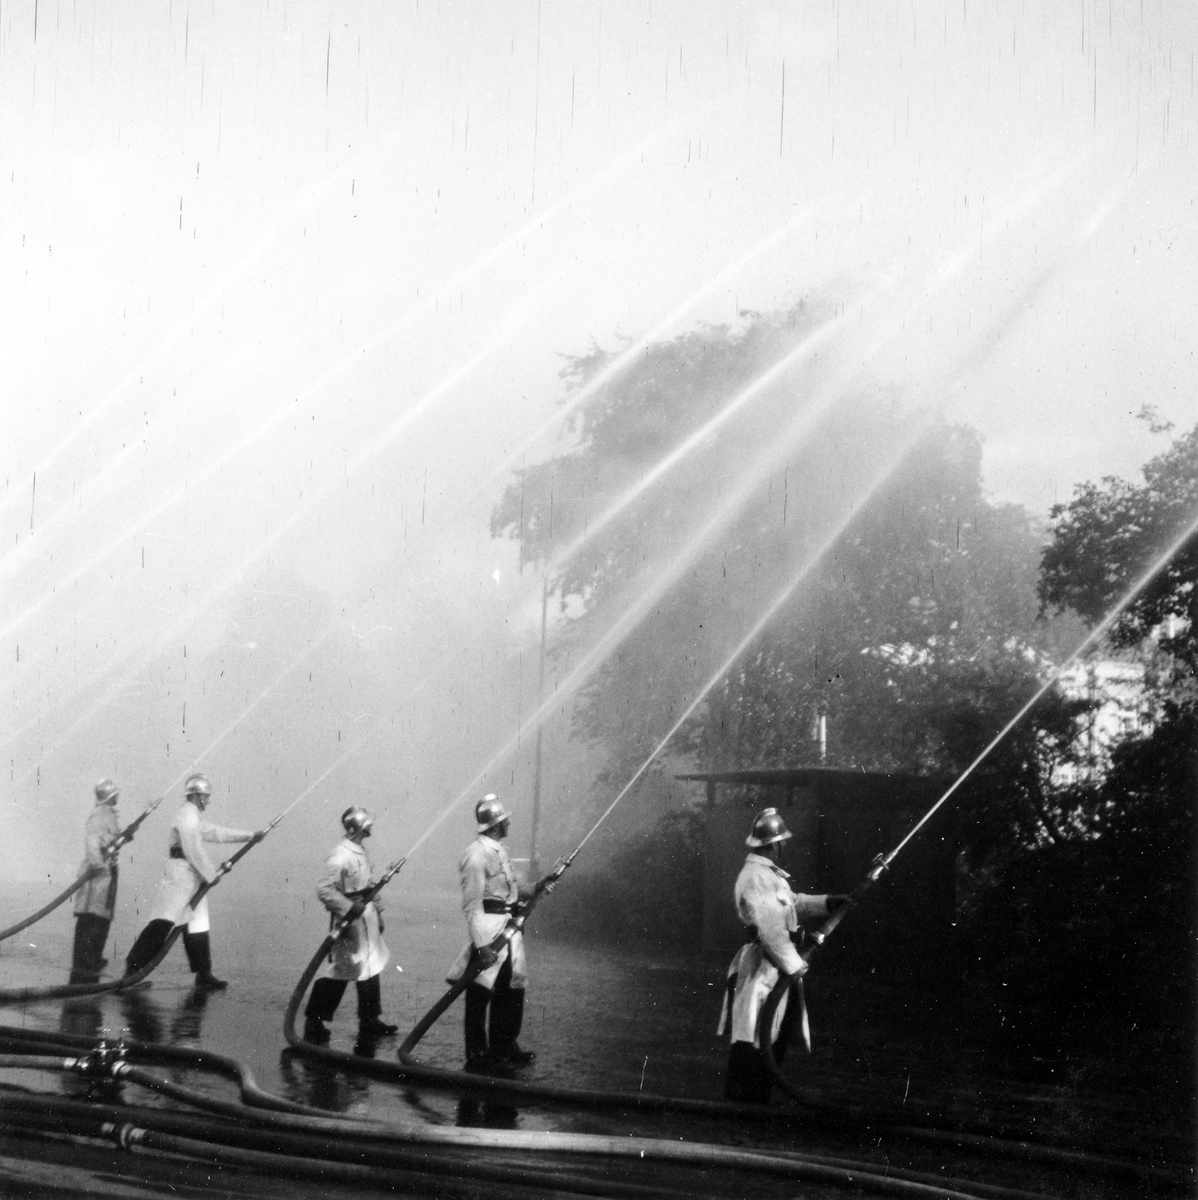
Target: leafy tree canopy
{"x": 1109, "y": 534}
{"x": 913, "y": 625}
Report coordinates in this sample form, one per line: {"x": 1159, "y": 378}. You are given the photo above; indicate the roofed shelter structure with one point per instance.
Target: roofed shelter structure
{"x": 841, "y": 821}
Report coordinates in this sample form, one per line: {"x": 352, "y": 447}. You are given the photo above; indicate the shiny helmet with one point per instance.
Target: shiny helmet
{"x": 107, "y": 792}
{"x": 355, "y": 819}
{"x": 489, "y": 812}
{"x": 197, "y": 785}
{"x": 768, "y": 828}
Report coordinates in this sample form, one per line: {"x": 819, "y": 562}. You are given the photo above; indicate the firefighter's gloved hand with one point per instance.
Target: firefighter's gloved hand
{"x": 800, "y": 971}
{"x": 837, "y": 902}
{"x": 488, "y": 956}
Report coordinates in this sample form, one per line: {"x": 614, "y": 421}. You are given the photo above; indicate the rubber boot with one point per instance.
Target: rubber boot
{"x": 478, "y": 999}
{"x": 81, "y": 971}
{"x": 80, "y": 958}
{"x": 746, "y": 1080}
{"x": 507, "y": 1019}
{"x": 370, "y": 1008}
{"x": 149, "y": 942}
{"x": 96, "y": 936}
{"x": 322, "y": 1004}
{"x": 199, "y": 957}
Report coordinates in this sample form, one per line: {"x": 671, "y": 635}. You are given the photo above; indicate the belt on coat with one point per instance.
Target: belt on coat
{"x": 752, "y": 935}
{"x": 177, "y": 852}
{"x": 495, "y": 907}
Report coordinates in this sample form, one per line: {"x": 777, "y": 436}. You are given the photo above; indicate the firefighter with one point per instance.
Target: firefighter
{"x": 490, "y": 896}
{"x": 771, "y": 913}
{"x": 96, "y": 899}
{"x": 360, "y": 953}
{"x": 187, "y": 866}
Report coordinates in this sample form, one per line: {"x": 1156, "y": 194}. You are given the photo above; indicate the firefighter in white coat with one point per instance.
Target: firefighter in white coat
{"x": 96, "y": 899}
{"x": 771, "y": 912}
{"x": 187, "y": 867}
{"x": 360, "y": 953}
{"x": 490, "y": 897}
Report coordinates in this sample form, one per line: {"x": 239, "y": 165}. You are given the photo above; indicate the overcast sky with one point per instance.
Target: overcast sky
{"x": 287, "y": 289}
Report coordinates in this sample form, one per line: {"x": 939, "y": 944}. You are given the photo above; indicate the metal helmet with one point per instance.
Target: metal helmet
{"x": 489, "y": 812}
{"x": 768, "y": 828}
{"x": 355, "y": 819}
{"x": 107, "y": 792}
{"x": 197, "y": 785}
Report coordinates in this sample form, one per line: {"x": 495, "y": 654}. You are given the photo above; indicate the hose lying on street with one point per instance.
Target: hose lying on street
{"x": 295, "y": 1139}
{"x": 27, "y": 994}
{"x": 32, "y": 1041}
{"x": 983, "y": 1142}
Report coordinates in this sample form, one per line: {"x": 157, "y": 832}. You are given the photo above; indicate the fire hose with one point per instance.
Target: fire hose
{"x": 475, "y": 967}
{"x": 110, "y": 852}
{"x": 107, "y": 1062}
{"x": 22, "y": 995}
{"x": 296, "y": 1138}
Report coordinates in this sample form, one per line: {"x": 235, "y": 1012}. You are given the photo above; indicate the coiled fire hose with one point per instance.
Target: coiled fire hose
{"x": 23, "y": 995}
{"x": 110, "y": 852}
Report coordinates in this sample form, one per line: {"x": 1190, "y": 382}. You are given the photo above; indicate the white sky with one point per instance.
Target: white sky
{"x": 285, "y": 285}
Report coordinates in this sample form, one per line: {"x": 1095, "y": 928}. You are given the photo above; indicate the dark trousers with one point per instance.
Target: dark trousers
{"x": 91, "y": 932}
{"x": 199, "y": 952}
{"x": 327, "y": 993}
{"x": 506, "y": 1005}
{"x": 149, "y": 942}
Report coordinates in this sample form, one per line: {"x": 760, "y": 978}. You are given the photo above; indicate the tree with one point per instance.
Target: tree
{"x": 925, "y": 579}
{"x": 913, "y": 629}
{"x": 1089, "y": 940}
{"x": 1107, "y": 536}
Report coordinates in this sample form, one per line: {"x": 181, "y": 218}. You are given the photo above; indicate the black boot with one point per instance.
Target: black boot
{"x": 322, "y": 1004}
{"x": 370, "y": 1007}
{"x": 95, "y": 935}
{"x": 199, "y": 958}
{"x": 507, "y": 1019}
{"x": 316, "y": 1031}
{"x": 80, "y": 956}
{"x": 478, "y": 999}
{"x": 149, "y": 942}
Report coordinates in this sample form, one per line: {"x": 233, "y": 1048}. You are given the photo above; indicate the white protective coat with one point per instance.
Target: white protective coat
{"x": 98, "y": 896}
{"x": 360, "y": 952}
{"x": 181, "y": 877}
{"x": 764, "y": 898}
{"x": 486, "y": 874}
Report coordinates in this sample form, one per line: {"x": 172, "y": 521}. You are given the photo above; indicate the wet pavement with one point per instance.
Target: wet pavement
{"x": 598, "y": 1020}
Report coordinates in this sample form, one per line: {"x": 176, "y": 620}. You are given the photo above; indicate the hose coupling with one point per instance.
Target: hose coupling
{"x": 103, "y": 1062}
{"x": 126, "y": 1136}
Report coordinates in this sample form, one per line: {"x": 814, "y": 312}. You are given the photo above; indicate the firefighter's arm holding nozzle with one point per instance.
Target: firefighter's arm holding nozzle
{"x": 347, "y": 906}
{"x": 779, "y": 915}
{"x": 811, "y": 907}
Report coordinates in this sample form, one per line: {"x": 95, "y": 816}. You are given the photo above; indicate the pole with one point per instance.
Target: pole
{"x": 533, "y": 858}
